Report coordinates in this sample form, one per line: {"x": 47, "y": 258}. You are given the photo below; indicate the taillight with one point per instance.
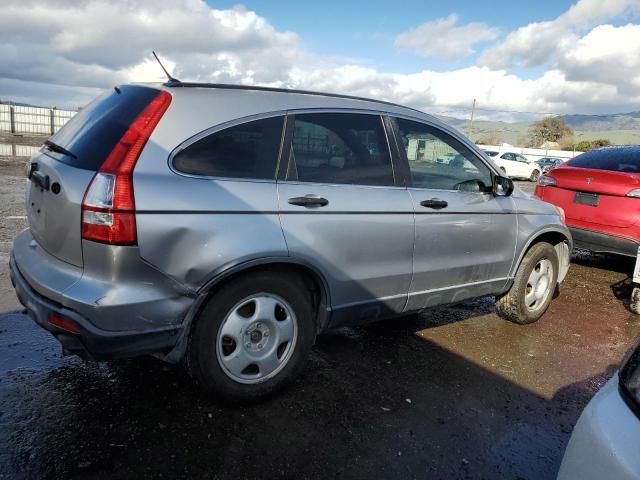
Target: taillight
{"x": 108, "y": 208}
{"x": 546, "y": 181}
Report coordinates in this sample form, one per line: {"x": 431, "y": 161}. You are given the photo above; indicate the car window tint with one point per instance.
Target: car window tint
{"x": 621, "y": 159}
{"x": 248, "y": 150}
{"x": 439, "y": 161}
{"x": 340, "y": 148}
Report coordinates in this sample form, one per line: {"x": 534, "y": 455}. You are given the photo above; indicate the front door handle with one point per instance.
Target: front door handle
{"x": 309, "y": 201}
{"x": 434, "y": 203}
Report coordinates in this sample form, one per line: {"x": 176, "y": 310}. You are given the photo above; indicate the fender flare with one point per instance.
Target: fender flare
{"x": 218, "y": 277}
{"x": 534, "y": 237}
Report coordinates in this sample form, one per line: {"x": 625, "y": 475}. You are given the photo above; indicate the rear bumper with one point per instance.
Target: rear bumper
{"x": 91, "y": 342}
{"x": 603, "y": 243}
{"x": 604, "y": 443}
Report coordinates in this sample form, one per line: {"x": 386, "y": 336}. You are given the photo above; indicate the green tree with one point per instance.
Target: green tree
{"x": 549, "y": 129}
{"x": 586, "y": 145}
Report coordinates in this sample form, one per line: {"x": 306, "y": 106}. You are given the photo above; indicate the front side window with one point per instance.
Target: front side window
{"x": 522, "y": 159}
{"x": 248, "y": 150}
{"x": 343, "y": 148}
{"x": 438, "y": 161}
{"x": 508, "y": 156}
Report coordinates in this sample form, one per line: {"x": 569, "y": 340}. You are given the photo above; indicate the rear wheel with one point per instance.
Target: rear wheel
{"x": 533, "y": 286}
{"x": 534, "y": 176}
{"x": 252, "y": 337}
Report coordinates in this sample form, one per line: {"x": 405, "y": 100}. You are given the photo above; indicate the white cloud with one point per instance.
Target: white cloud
{"x": 537, "y": 43}
{"x": 63, "y": 52}
{"x": 608, "y": 55}
{"x": 444, "y": 38}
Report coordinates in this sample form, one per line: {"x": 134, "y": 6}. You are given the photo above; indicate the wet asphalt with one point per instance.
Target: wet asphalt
{"x": 453, "y": 393}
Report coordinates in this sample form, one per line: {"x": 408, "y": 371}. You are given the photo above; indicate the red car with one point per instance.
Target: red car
{"x": 600, "y": 194}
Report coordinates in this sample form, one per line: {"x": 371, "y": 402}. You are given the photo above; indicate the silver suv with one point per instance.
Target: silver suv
{"x": 227, "y": 226}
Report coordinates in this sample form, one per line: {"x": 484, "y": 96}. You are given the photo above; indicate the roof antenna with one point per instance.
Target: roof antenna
{"x": 171, "y": 79}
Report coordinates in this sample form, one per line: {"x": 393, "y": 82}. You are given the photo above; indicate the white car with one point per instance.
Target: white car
{"x": 515, "y": 165}
{"x": 604, "y": 443}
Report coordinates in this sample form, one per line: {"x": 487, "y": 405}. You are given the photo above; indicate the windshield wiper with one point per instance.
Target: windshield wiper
{"x": 58, "y": 149}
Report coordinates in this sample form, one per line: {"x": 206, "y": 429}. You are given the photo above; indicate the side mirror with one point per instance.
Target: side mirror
{"x": 502, "y": 186}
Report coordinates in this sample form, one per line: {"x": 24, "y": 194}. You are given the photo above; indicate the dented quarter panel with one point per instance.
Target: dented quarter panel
{"x": 205, "y": 224}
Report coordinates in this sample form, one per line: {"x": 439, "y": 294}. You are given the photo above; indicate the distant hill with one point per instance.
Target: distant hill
{"x": 603, "y": 123}
{"x": 620, "y": 129}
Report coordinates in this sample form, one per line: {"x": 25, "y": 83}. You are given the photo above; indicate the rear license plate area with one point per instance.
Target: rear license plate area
{"x": 583, "y": 198}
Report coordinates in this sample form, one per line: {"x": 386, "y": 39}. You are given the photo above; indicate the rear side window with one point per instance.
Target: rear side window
{"x": 248, "y": 150}
{"x": 342, "y": 148}
{"x": 613, "y": 159}
{"x": 93, "y": 132}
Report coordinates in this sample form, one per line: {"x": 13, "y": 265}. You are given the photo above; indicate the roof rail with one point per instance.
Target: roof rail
{"x": 228, "y": 86}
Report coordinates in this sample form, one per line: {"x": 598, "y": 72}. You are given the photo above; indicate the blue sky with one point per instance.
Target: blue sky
{"x": 366, "y": 34}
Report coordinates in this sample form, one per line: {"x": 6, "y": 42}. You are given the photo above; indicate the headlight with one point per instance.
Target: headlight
{"x": 630, "y": 379}
{"x": 546, "y": 181}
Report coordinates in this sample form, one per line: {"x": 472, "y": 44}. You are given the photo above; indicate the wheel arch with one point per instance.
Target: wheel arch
{"x": 561, "y": 241}
{"x": 319, "y": 290}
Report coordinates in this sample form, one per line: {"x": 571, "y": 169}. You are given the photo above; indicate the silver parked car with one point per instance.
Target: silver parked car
{"x": 604, "y": 442}
{"x": 227, "y": 226}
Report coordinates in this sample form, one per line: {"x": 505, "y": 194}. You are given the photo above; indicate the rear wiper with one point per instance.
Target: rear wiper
{"x": 58, "y": 149}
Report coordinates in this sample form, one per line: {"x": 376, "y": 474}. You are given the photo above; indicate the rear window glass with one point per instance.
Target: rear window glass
{"x": 93, "y": 132}
{"x": 613, "y": 159}
{"x": 248, "y": 150}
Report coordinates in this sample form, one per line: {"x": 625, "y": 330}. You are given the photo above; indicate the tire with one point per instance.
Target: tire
{"x": 534, "y": 176}
{"x": 264, "y": 320}
{"x": 634, "y": 305}
{"x": 513, "y": 305}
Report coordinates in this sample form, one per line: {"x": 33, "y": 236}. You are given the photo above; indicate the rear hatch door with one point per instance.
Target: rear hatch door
{"x": 61, "y": 171}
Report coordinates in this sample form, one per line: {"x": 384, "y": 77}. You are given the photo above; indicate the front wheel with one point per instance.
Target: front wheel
{"x": 252, "y": 337}
{"x": 534, "y": 176}
{"x": 533, "y": 286}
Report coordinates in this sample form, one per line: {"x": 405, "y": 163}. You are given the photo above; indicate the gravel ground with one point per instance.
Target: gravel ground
{"x": 453, "y": 393}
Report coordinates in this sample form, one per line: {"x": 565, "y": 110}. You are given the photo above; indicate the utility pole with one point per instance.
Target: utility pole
{"x": 473, "y": 109}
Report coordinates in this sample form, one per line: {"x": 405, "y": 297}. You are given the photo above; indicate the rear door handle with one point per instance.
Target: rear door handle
{"x": 309, "y": 201}
{"x": 434, "y": 203}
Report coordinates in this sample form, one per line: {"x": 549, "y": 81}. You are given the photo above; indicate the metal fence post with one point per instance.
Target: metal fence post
{"x": 52, "y": 119}
{"x": 12, "y": 119}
